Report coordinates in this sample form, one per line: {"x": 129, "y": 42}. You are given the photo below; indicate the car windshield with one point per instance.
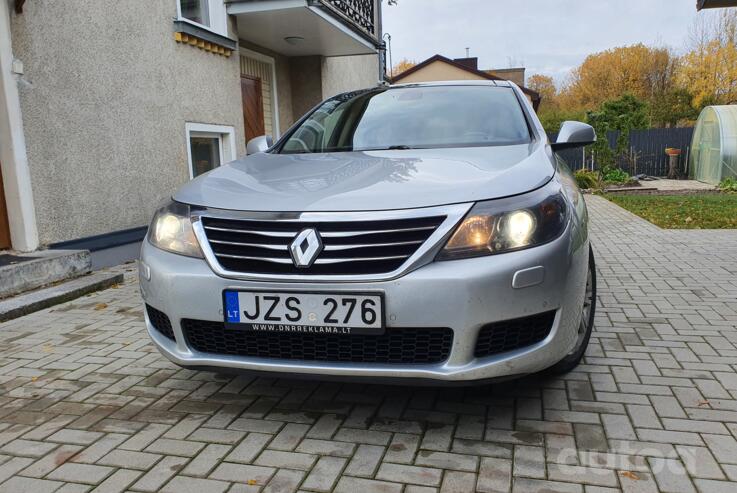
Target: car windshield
{"x": 412, "y": 118}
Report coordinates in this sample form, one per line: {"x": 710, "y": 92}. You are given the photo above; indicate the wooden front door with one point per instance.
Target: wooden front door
{"x": 4, "y": 226}
{"x": 253, "y": 107}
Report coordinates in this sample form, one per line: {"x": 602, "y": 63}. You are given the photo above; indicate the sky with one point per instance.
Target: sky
{"x": 545, "y": 36}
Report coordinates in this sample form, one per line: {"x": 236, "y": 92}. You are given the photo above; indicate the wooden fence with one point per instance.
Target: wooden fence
{"x": 646, "y": 154}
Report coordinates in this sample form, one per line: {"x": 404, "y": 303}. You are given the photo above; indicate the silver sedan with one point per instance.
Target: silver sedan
{"x": 423, "y": 232}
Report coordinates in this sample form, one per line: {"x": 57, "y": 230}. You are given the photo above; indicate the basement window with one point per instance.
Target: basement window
{"x": 209, "y": 146}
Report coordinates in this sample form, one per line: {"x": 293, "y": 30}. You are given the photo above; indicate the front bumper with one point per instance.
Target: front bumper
{"x": 462, "y": 295}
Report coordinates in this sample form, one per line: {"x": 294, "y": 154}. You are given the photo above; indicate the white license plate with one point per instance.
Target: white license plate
{"x": 320, "y": 313}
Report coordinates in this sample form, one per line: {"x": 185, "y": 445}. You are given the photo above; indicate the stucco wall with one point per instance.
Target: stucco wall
{"x": 105, "y": 97}
{"x": 306, "y": 83}
{"x": 348, "y": 73}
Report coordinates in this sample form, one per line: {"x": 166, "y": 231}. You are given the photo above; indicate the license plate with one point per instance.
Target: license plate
{"x": 319, "y": 313}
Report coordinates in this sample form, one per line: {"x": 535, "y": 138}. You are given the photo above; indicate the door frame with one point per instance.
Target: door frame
{"x": 274, "y": 95}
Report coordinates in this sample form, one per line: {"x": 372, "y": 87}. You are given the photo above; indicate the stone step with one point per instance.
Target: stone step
{"x": 20, "y": 272}
{"x": 33, "y": 301}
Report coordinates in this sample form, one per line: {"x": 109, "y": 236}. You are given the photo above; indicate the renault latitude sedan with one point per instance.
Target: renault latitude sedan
{"x": 421, "y": 232}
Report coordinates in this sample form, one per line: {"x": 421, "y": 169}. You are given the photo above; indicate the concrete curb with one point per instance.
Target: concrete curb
{"x": 34, "y": 301}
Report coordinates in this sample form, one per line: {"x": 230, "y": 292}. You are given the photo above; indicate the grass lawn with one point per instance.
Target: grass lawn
{"x": 701, "y": 211}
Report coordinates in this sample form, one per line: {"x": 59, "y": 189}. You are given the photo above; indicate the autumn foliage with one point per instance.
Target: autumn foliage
{"x": 674, "y": 87}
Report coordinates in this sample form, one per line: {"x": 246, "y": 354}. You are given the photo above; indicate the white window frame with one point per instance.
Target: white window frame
{"x": 274, "y": 94}
{"x": 217, "y": 13}
{"x": 226, "y": 139}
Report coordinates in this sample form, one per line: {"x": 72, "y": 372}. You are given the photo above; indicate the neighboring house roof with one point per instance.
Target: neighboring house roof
{"x": 466, "y": 65}
{"x": 715, "y": 4}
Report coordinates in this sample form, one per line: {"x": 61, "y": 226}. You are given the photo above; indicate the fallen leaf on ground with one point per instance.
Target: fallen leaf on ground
{"x": 630, "y": 475}
{"x": 100, "y": 306}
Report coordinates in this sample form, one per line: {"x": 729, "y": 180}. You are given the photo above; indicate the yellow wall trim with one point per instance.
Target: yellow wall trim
{"x": 201, "y": 44}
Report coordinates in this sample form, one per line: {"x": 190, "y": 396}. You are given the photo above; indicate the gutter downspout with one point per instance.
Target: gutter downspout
{"x": 382, "y": 44}
{"x": 13, "y": 156}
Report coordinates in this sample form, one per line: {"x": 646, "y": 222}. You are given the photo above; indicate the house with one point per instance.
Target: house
{"x": 107, "y": 106}
{"x": 440, "y": 68}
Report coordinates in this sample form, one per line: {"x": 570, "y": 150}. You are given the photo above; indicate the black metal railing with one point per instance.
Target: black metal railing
{"x": 362, "y": 13}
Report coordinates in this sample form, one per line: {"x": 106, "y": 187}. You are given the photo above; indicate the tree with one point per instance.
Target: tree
{"x": 621, "y": 115}
{"x": 672, "y": 108}
{"x": 550, "y": 111}
{"x": 545, "y": 87}
{"x": 402, "y": 66}
{"x": 639, "y": 70}
{"x": 709, "y": 69}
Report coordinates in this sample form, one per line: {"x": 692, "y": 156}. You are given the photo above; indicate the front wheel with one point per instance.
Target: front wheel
{"x": 586, "y": 326}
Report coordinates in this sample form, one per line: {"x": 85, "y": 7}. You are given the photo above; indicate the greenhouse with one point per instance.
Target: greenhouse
{"x": 714, "y": 146}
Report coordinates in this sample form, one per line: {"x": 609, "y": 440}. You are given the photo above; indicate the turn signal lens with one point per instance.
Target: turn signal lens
{"x": 171, "y": 230}
{"x": 498, "y": 226}
{"x": 474, "y": 232}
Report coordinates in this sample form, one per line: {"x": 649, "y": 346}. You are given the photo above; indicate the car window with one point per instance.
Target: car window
{"x": 412, "y": 117}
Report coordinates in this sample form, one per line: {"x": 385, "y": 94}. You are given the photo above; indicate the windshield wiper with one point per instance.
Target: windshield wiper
{"x": 389, "y": 148}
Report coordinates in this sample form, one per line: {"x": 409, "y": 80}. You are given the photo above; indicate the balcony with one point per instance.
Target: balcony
{"x": 310, "y": 27}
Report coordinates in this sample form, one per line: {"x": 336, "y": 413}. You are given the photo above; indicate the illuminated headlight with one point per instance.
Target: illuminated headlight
{"x": 498, "y": 226}
{"x": 171, "y": 230}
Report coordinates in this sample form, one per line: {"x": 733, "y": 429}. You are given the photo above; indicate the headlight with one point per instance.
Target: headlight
{"x": 504, "y": 225}
{"x": 171, "y": 230}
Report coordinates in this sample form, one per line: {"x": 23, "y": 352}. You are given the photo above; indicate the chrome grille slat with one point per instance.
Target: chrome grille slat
{"x": 287, "y": 261}
{"x": 320, "y": 261}
{"x": 348, "y": 234}
{"x": 330, "y": 261}
{"x": 284, "y": 248}
{"x": 337, "y": 248}
{"x": 326, "y": 234}
{"x": 367, "y": 246}
{"x": 275, "y": 234}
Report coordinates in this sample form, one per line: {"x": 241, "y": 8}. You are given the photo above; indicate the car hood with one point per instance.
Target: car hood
{"x": 371, "y": 180}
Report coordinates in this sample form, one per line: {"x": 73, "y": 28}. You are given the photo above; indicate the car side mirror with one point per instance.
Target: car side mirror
{"x": 574, "y": 134}
{"x": 259, "y": 144}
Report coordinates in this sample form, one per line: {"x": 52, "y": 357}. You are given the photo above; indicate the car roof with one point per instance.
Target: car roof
{"x": 499, "y": 83}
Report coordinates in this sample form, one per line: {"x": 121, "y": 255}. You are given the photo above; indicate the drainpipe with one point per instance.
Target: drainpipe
{"x": 382, "y": 46}
{"x": 13, "y": 158}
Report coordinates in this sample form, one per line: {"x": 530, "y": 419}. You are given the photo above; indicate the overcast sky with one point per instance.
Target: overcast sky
{"x": 546, "y": 36}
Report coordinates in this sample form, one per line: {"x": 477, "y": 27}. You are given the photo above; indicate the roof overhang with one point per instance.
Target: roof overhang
{"x": 269, "y": 23}
{"x": 715, "y": 4}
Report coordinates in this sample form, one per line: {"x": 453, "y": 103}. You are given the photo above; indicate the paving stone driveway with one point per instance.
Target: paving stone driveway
{"x": 87, "y": 404}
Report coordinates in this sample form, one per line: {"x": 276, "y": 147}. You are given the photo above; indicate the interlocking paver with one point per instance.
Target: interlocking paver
{"x": 87, "y": 403}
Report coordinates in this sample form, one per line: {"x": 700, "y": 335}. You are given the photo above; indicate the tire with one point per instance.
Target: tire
{"x": 572, "y": 359}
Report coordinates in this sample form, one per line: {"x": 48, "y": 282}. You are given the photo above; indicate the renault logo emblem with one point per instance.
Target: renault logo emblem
{"x": 305, "y": 248}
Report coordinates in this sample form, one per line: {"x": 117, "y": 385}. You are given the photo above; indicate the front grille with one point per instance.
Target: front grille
{"x": 500, "y": 337}
{"x": 400, "y": 346}
{"x": 350, "y": 248}
{"x": 160, "y": 322}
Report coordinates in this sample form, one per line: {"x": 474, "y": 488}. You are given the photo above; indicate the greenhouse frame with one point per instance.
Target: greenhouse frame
{"x": 714, "y": 146}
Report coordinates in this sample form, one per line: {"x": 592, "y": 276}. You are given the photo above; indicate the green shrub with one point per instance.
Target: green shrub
{"x": 728, "y": 185}
{"x": 587, "y": 179}
{"x": 615, "y": 175}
